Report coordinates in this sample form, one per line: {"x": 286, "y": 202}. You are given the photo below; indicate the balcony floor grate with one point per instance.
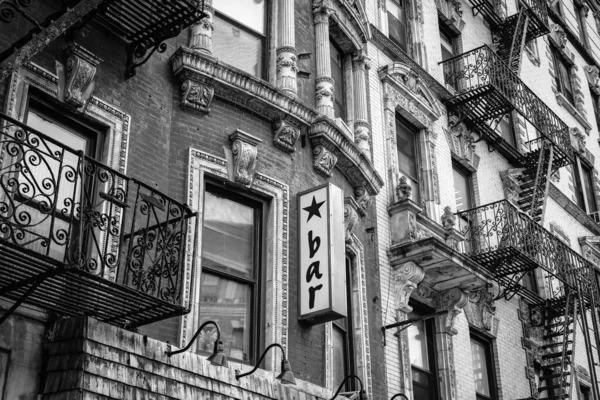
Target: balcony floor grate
{"x": 74, "y": 292}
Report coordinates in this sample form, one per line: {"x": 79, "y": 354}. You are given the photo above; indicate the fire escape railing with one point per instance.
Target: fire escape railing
{"x": 508, "y": 242}
{"x": 486, "y": 88}
{"x": 62, "y": 212}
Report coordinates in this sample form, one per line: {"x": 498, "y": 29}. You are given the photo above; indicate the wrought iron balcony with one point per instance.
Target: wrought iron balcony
{"x": 80, "y": 238}
{"x": 487, "y": 89}
{"x": 508, "y": 243}
{"x": 492, "y": 13}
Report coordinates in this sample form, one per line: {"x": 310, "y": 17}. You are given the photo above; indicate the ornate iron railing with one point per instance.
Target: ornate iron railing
{"x": 539, "y": 7}
{"x": 78, "y": 214}
{"x": 499, "y": 233}
{"x": 488, "y": 89}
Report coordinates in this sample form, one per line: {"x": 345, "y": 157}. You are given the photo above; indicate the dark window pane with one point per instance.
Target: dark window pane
{"x": 238, "y": 47}
{"x": 589, "y": 190}
{"x": 579, "y": 194}
{"x": 337, "y": 73}
{"x": 397, "y": 23}
{"x": 407, "y": 162}
{"x": 340, "y": 356}
{"x": 229, "y": 303}
{"x": 228, "y": 236}
{"x": 505, "y": 127}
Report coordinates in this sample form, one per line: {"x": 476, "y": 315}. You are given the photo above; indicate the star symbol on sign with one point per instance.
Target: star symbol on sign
{"x": 313, "y": 209}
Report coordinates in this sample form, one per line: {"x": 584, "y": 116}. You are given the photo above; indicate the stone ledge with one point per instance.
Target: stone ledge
{"x": 350, "y": 160}
{"x": 581, "y": 216}
{"x": 239, "y": 87}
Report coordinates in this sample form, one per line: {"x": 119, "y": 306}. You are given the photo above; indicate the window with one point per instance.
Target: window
{"x": 483, "y": 373}
{"x": 586, "y": 393}
{"x": 231, "y": 258}
{"x": 506, "y": 129}
{"x": 406, "y": 137}
{"x": 343, "y": 339}
{"x": 337, "y": 73}
{"x": 595, "y": 104}
{"x": 421, "y": 343}
{"x": 397, "y": 26}
{"x": 448, "y": 45}
{"x": 43, "y": 180}
{"x": 563, "y": 77}
{"x": 239, "y": 36}
{"x": 580, "y": 15}
{"x": 583, "y": 183}
{"x": 556, "y": 7}
{"x": 462, "y": 189}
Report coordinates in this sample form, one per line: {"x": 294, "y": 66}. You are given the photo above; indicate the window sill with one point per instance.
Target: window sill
{"x": 562, "y": 101}
{"x": 581, "y": 216}
{"x": 350, "y": 160}
{"x": 236, "y": 86}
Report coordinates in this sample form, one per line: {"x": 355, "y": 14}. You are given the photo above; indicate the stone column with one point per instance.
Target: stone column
{"x": 324, "y": 81}
{"x": 286, "y": 50}
{"x": 201, "y": 33}
{"x": 362, "y": 129}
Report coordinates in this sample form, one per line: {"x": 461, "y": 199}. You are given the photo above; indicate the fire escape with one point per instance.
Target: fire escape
{"x": 509, "y": 240}
{"x": 76, "y": 236}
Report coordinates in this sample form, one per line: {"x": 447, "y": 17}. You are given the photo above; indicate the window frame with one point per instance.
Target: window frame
{"x": 257, "y": 313}
{"x": 582, "y": 171}
{"x": 559, "y": 63}
{"x": 581, "y": 24}
{"x": 264, "y": 38}
{"x": 446, "y": 33}
{"x": 468, "y": 175}
{"x": 402, "y": 4}
{"x": 350, "y": 339}
{"x": 414, "y": 131}
{"x": 343, "y": 101}
{"x": 430, "y": 331}
{"x": 595, "y": 105}
{"x": 487, "y": 345}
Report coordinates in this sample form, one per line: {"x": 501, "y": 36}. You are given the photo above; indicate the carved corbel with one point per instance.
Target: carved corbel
{"x": 350, "y": 217}
{"x": 196, "y": 96}
{"x": 448, "y": 219}
{"x": 480, "y": 310}
{"x": 79, "y": 80}
{"x": 452, "y": 301}
{"x": 245, "y": 153}
{"x": 406, "y": 278}
{"x": 558, "y": 34}
{"x": 324, "y": 160}
{"x": 577, "y": 139}
{"x": 362, "y": 199}
{"x": 285, "y": 135}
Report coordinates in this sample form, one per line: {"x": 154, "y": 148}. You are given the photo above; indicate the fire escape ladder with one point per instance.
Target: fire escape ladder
{"x": 583, "y": 297}
{"x": 535, "y": 182}
{"x": 518, "y": 42}
{"x": 557, "y": 377}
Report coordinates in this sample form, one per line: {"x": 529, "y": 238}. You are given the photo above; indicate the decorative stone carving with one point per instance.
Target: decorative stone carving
{"x": 412, "y": 81}
{"x": 287, "y": 69}
{"x": 480, "y": 309}
{"x": 558, "y": 34}
{"x": 403, "y": 189}
{"x": 416, "y": 233}
{"x": 453, "y": 301}
{"x": 448, "y": 219}
{"x": 510, "y": 182}
{"x": 202, "y": 32}
{"x": 324, "y": 160}
{"x": 285, "y": 135}
{"x": 593, "y": 77}
{"x": 362, "y": 199}
{"x": 406, "y": 278}
{"x": 461, "y": 142}
{"x": 245, "y": 152}
{"x": 196, "y": 96}
{"x": 350, "y": 217}
{"x": 577, "y": 139}
{"x": 79, "y": 81}
{"x": 362, "y": 137}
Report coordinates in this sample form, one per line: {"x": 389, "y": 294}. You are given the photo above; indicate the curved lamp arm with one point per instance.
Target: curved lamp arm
{"x": 399, "y": 394}
{"x": 260, "y": 360}
{"x": 171, "y": 353}
{"x": 344, "y": 381}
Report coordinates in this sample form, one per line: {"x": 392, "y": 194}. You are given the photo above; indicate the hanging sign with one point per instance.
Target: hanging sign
{"x": 322, "y": 263}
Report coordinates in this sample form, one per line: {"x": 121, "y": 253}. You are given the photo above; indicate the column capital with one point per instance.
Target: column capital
{"x": 361, "y": 60}
{"x": 322, "y": 9}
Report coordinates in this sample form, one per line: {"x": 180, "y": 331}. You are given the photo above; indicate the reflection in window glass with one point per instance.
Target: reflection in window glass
{"x": 462, "y": 190}
{"x": 480, "y": 370}
{"x": 397, "y": 22}
{"x": 230, "y": 239}
{"x": 237, "y": 47}
{"x": 250, "y": 13}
